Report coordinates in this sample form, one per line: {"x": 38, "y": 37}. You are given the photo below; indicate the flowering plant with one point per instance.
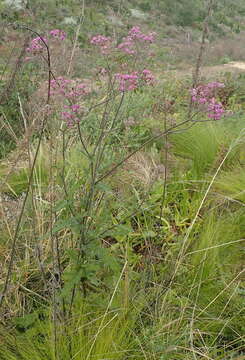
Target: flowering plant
{"x": 37, "y": 44}
{"x": 73, "y": 91}
{"x": 128, "y": 77}
{"x": 128, "y": 82}
{"x": 206, "y": 96}
{"x": 129, "y": 43}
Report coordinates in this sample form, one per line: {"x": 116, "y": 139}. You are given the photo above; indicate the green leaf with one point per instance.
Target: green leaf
{"x": 26, "y": 321}
{"x": 122, "y": 230}
{"x": 64, "y": 204}
{"x": 61, "y": 225}
{"x": 149, "y": 234}
{"x": 103, "y": 187}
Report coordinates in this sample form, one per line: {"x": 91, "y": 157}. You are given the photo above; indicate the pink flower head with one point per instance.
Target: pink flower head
{"x": 136, "y": 34}
{"x": 75, "y": 107}
{"x": 215, "y": 110}
{"x": 148, "y": 77}
{"x": 67, "y": 115}
{"x": 135, "y": 31}
{"x": 36, "y": 45}
{"x": 204, "y": 95}
{"x": 127, "y": 82}
{"x": 102, "y": 41}
{"x": 73, "y": 90}
{"x": 102, "y": 71}
{"x": 70, "y": 89}
{"x": 206, "y": 92}
{"x": 202, "y": 100}
{"x": 58, "y": 34}
{"x": 69, "y": 118}
{"x": 128, "y": 45}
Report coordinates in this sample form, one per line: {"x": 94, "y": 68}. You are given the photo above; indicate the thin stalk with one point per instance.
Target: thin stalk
{"x": 81, "y": 20}
{"x": 201, "y": 53}
{"x": 17, "y": 229}
{"x": 12, "y": 253}
{"x": 165, "y": 168}
{"x": 147, "y": 142}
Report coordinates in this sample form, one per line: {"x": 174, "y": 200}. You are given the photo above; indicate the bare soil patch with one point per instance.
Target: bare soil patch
{"x": 234, "y": 67}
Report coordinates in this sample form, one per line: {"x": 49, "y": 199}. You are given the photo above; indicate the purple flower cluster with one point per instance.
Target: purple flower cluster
{"x": 215, "y": 110}
{"x": 128, "y": 45}
{"x": 129, "y": 82}
{"x": 73, "y": 91}
{"x": 136, "y": 34}
{"x": 71, "y": 114}
{"x": 103, "y": 42}
{"x": 70, "y": 89}
{"x": 36, "y": 45}
{"x": 202, "y": 93}
{"x": 205, "y": 95}
{"x": 58, "y": 34}
{"x": 148, "y": 77}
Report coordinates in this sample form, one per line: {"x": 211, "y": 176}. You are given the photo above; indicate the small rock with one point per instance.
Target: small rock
{"x": 70, "y": 21}
{"x": 114, "y": 20}
{"x": 16, "y": 4}
{"x": 138, "y": 14}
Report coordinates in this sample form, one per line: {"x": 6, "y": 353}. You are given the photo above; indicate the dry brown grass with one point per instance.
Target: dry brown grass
{"x": 227, "y": 47}
{"x": 218, "y": 51}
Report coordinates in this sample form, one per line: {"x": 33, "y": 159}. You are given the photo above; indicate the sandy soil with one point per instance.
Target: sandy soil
{"x": 234, "y": 67}
{"x": 235, "y": 64}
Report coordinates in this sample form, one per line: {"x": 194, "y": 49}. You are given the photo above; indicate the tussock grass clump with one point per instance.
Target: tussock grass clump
{"x": 122, "y": 201}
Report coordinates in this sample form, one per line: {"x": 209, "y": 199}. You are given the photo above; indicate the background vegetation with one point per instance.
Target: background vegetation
{"x": 121, "y": 235}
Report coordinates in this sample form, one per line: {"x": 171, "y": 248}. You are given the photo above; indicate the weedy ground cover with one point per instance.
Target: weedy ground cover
{"x": 122, "y": 202}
